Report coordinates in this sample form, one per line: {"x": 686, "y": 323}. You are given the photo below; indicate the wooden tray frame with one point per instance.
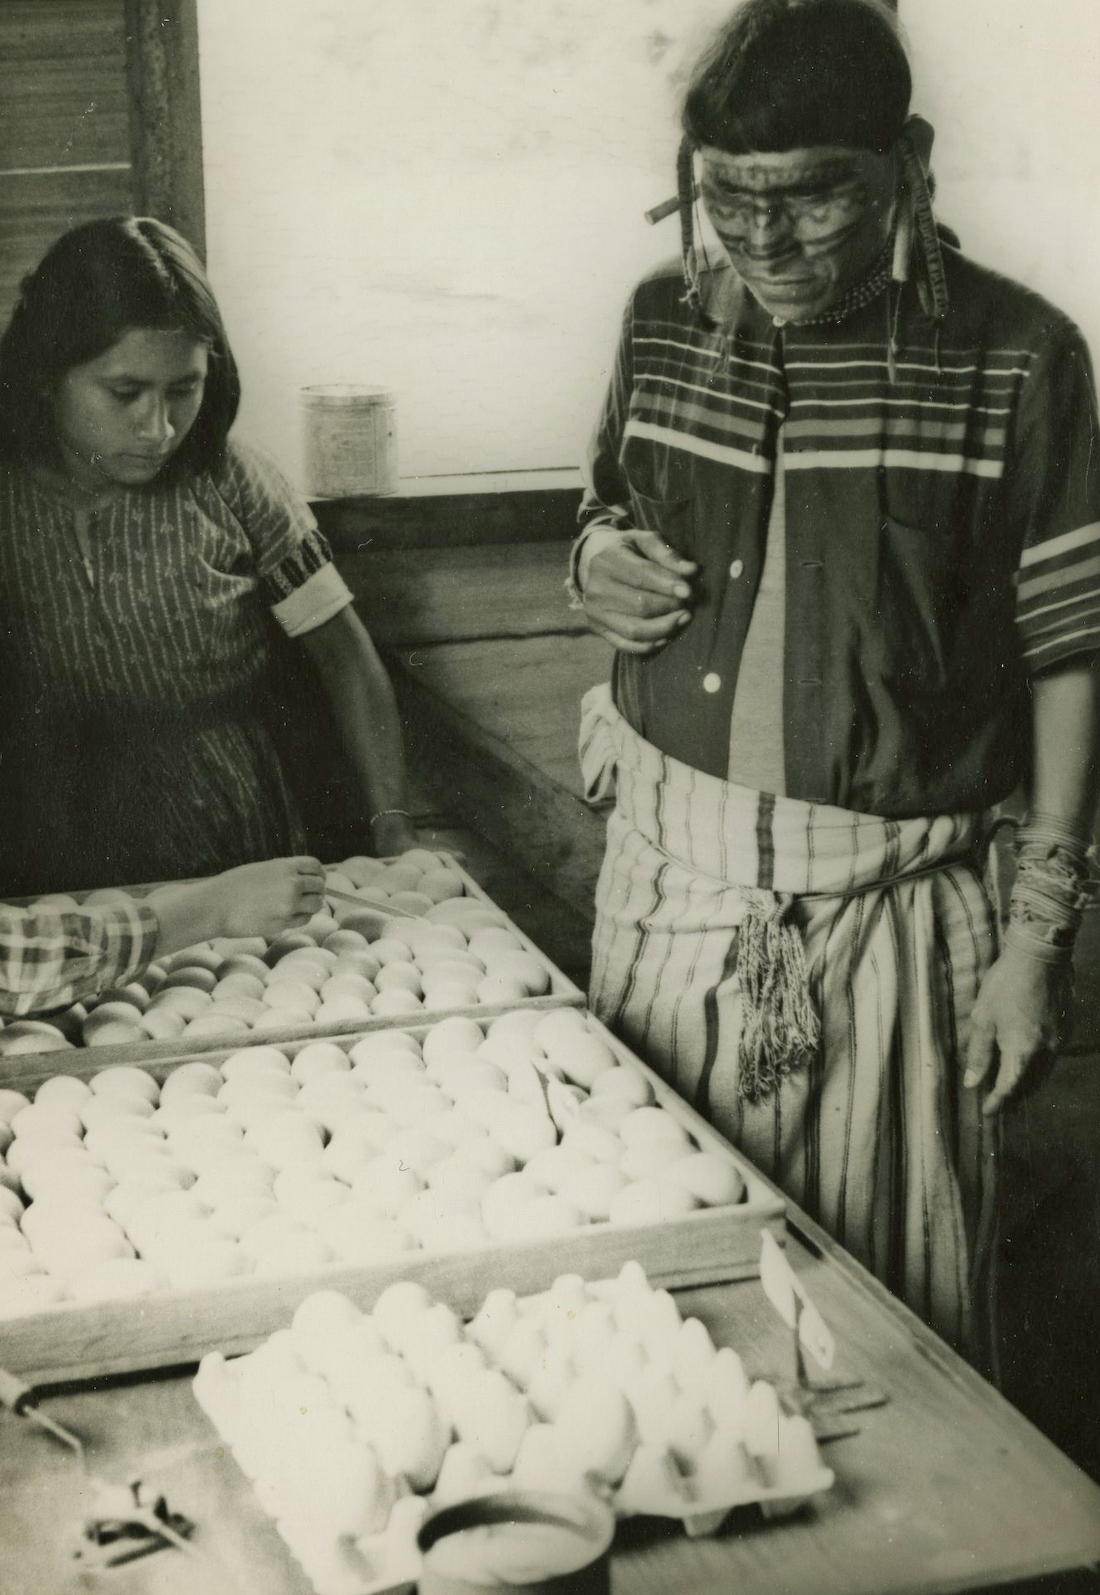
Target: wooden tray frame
{"x": 176, "y": 1327}
{"x": 563, "y": 993}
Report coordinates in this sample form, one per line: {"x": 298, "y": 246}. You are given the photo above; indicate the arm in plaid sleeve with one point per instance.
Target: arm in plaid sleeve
{"x": 1055, "y": 486}
{"x": 50, "y": 958}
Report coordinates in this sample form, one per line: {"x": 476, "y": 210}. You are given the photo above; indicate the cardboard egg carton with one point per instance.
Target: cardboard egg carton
{"x": 522, "y": 1228}
{"x": 113, "y": 1026}
{"x": 598, "y": 1388}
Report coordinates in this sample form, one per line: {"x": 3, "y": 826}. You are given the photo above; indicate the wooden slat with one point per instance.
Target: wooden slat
{"x": 457, "y": 519}
{"x": 441, "y": 595}
{"x": 34, "y": 211}
{"x": 64, "y": 83}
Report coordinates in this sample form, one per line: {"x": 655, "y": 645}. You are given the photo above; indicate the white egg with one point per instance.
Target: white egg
{"x": 385, "y": 1182}
{"x": 239, "y": 1174}
{"x": 163, "y": 1024}
{"x": 343, "y": 1348}
{"x": 503, "y": 1199}
{"x": 650, "y": 1158}
{"x": 447, "y": 996}
{"x": 521, "y": 1023}
{"x": 11, "y": 1103}
{"x": 359, "y": 1232}
{"x": 320, "y": 1315}
{"x": 409, "y": 1100}
{"x": 384, "y": 1041}
{"x": 554, "y": 1166}
{"x": 126, "y": 1080}
{"x": 25, "y": 1149}
{"x": 560, "y": 1029}
{"x": 727, "y": 1389}
{"x": 34, "y": 1294}
{"x": 523, "y": 1131}
{"x": 353, "y": 987}
{"x": 596, "y": 1428}
{"x": 456, "y": 1179}
{"x": 107, "y": 1111}
{"x": 391, "y": 949}
{"x": 190, "y": 1079}
{"x": 183, "y": 1000}
{"x": 356, "y": 1142}
{"x": 463, "y": 1472}
{"x": 63, "y": 1090}
{"x": 523, "y": 1352}
{"x": 651, "y": 1201}
{"x": 51, "y": 1120}
{"x": 493, "y": 1418}
{"x": 236, "y": 1214}
{"x": 200, "y": 1257}
{"x": 410, "y": 1436}
{"x": 285, "y": 1138}
{"x": 621, "y": 1080}
{"x": 268, "y": 1235}
{"x": 485, "y": 1154}
{"x": 239, "y": 984}
{"x": 645, "y": 1125}
{"x": 652, "y": 1395}
{"x": 362, "y": 963}
{"x": 310, "y": 1194}
{"x": 494, "y": 1320}
{"x": 455, "y": 1127}
{"x": 398, "y": 1000}
{"x": 713, "y": 1179}
{"x": 288, "y": 996}
{"x": 372, "y": 1385}
{"x": 245, "y": 1088}
{"x": 302, "y": 1253}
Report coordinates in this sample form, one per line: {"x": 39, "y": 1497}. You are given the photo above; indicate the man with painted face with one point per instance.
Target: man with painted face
{"x": 842, "y": 525}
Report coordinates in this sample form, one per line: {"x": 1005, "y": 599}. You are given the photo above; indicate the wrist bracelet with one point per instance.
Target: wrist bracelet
{"x": 1037, "y": 947}
{"x": 382, "y": 813}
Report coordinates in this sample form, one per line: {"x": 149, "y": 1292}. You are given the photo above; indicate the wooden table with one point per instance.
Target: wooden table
{"x": 946, "y": 1488}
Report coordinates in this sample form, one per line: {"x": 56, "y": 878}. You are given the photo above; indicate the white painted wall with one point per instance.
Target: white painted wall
{"x": 446, "y": 196}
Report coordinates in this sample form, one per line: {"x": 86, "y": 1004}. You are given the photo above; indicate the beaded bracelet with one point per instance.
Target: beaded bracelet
{"x": 1052, "y": 890}
{"x": 382, "y": 813}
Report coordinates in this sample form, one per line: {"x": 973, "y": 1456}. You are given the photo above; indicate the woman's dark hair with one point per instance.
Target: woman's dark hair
{"x": 95, "y": 283}
{"x": 792, "y": 74}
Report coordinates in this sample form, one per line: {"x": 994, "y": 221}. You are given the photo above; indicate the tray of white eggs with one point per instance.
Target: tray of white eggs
{"x": 149, "y": 1214}
{"x": 399, "y": 939}
{"x": 352, "y": 1426}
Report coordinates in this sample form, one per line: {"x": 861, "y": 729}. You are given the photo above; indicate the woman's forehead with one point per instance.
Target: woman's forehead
{"x": 817, "y": 166}
{"x": 153, "y": 353}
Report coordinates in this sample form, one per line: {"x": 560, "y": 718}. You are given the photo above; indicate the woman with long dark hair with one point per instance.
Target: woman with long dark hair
{"x": 139, "y": 550}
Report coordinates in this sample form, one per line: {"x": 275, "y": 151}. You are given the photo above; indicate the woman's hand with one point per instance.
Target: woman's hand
{"x": 635, "y": 589}
{"x": 1016, "y": 1027}
{"x": 251, "y": 900}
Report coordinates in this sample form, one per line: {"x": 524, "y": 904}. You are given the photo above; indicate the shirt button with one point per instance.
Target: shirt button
{"x": 711, "y": 682}
{"x": 737, "y": 568}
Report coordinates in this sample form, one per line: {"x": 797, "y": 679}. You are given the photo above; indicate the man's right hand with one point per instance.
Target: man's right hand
{"x": 636, "y": 589}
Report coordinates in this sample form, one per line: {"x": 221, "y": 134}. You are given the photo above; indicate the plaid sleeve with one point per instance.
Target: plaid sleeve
{"x": 50, "y": 958}
{"x": 298, "y": 580}
{"x": 1054, "y": 484}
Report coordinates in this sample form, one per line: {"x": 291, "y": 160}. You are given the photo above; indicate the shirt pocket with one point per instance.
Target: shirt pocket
{"x": 918, "y": 599}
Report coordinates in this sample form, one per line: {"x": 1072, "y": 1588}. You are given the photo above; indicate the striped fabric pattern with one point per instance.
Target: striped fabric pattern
{"x": 943, "y": 500}
{"x": 876, "y": 1138}
{"x": 51, "y": 958}
{"x": 132, "y": 748}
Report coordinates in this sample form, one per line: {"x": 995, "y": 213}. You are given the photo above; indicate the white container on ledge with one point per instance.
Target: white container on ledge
{"x": 350, "y": 441}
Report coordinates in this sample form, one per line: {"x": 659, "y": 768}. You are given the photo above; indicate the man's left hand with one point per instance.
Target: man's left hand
{"x": 1016, "y": 1027}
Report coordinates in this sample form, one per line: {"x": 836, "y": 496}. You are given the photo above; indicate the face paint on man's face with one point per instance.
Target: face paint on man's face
{"x": 801, "y": 227}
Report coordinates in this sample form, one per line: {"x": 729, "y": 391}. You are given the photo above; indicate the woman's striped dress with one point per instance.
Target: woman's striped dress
{"x": 132, "y": 748}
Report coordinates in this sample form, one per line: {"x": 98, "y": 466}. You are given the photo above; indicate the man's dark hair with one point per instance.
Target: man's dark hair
{"x": 97, "y": 282}
{"x": 792, "y": 74}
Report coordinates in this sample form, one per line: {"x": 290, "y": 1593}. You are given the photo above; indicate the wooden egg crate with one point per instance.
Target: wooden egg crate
{"x": 172, "y": 1326}
{"x": 561, "y": 990}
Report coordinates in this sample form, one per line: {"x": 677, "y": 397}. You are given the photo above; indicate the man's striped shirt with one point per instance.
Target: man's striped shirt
{"x": 942, "y": 527}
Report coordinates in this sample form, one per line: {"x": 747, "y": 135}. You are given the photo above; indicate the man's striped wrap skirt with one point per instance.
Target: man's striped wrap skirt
{"x": 875, "y": 1135}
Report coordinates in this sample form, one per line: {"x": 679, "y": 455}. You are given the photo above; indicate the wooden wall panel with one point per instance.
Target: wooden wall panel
{"x": 64, "y": 125}
{"x": 64, "y": 83}
{"x": 35, "y": 210}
